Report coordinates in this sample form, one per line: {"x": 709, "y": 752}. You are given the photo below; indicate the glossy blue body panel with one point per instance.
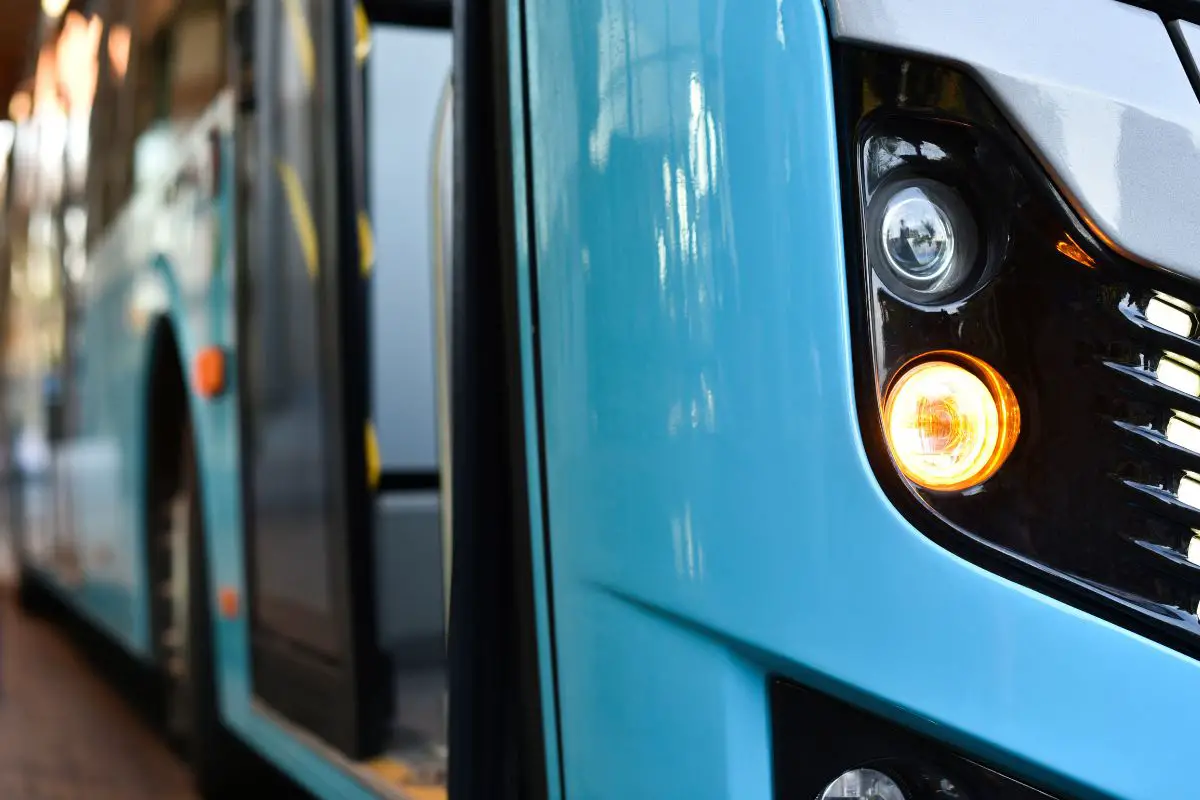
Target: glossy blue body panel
{"x": 713, "y": 519}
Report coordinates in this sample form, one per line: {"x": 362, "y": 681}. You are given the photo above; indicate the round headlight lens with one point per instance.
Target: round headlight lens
{"x": 918, "y": 240}
{"x": 948, "y": 427}
{"x": 924, "y": 240}
{"x": 863, "y": 784}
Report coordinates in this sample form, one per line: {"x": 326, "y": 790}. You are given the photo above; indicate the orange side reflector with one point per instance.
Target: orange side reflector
{"x": 209, "y": 371}
{"x": 227, "y": 602}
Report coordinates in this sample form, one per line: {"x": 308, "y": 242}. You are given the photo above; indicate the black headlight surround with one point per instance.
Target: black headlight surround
{"x": 1072, "y": 513}
{"x": 919, "y": 149}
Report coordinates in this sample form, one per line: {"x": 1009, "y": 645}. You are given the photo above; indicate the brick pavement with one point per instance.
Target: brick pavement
{"x": 65, "y": 734}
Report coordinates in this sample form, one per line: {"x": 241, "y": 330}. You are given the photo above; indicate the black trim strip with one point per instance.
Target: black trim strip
{"x": 410, "y": 13}
{"x": 497, "y": 742}
{"x": 1170, "y": 9}
{"x": 343, "y": 695}
{"x": 1188, "y": 10}
{"x": 539, "y": 393}
{"x": 1186, "y": 56}
{"x": 398, "y": 481}
{"x": 372, "y": 688}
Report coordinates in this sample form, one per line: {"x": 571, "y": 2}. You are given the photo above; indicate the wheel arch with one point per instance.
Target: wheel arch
{"x": 167, "y": 414}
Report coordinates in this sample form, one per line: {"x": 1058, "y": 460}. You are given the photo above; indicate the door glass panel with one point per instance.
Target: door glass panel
{"x": 303, "y": 378}
{"x": 289, "y": 397}
{"x": 406, "y": 72}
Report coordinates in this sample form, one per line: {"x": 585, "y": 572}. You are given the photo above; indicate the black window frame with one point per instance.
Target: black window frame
{"x": 345, "y": 698}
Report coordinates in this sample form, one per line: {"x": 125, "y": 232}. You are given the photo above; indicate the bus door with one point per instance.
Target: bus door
{"x": 309, "y": 462}
{"x": 352, "y": 328}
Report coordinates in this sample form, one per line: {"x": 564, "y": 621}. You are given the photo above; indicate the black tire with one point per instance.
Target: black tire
{"x": 31, "y": 597}
{"x": 222, "y": 766}
{"x": 218, "y": 762}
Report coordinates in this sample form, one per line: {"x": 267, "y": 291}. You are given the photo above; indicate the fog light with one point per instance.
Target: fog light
{"x": 950, "y": 423}
{"x": 863, "y": 784}
{"x": 924, "y": 240}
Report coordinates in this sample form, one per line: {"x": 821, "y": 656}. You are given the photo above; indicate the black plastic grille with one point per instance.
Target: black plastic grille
{"x": 1154, "y": 409}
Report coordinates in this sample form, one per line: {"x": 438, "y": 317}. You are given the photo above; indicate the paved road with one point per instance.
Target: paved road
{"x": 64, "y": 734}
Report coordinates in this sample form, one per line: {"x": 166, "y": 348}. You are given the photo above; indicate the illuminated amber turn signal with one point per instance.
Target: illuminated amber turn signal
{"x": 950, "y": 421}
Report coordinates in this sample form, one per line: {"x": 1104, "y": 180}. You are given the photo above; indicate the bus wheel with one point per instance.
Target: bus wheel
{"x": 192, "y": 711}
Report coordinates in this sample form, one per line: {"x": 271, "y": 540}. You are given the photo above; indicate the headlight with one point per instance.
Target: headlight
{"x": 950, "y": 423}
{"x": 923, "y": 240}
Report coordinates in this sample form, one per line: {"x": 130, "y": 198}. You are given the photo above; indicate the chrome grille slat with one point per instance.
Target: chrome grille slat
{"x": 1171, "y": 555}
{"x": 1168, "y": 460}
{"x": 1145, "y": 409}
{"x": 1159, "y": 338}
{"x": 1167, "y": 396}
{"x": 1155, "y": 444}
{"x": 1164, "y": 502}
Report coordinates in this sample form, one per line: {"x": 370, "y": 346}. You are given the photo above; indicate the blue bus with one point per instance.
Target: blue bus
{"x": 593, "y": 399}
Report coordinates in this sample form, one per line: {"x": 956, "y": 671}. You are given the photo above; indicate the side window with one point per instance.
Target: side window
{"x": 405, "y": 77}
{"x": 289, "y": 393}
{"x": 175, "y": 76}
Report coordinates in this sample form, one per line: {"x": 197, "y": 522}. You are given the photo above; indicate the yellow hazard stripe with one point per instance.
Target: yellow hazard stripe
{"x": 302, "y": 219}
{"x": 362, "y": 34}
{"x": 366, "y": 244}
{"x": 400, "y": 776}
{"x": 302, "y": 38}
{"x": 372, "y": 453}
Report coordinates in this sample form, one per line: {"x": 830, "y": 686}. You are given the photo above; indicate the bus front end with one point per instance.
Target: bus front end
{"x": 868, "y": 340}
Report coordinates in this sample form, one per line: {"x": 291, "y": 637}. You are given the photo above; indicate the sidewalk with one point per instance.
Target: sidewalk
{"x": 64, "y": 734}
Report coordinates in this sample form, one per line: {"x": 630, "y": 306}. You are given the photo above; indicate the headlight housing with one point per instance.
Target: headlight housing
{"x": 957, "y": 241}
